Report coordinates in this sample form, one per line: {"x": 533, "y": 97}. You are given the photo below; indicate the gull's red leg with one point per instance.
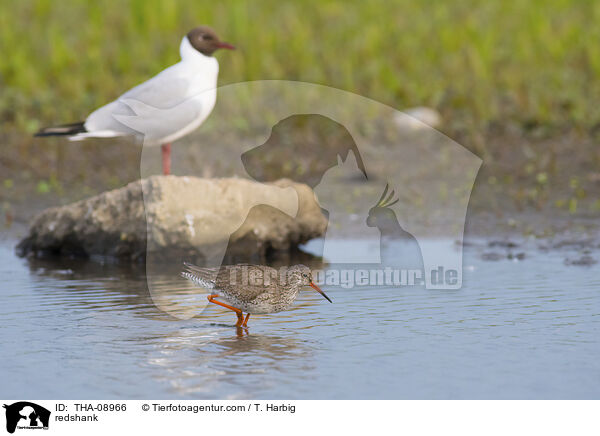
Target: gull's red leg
{"x": 166, "y": 158}
{"x": 239, "y": 313}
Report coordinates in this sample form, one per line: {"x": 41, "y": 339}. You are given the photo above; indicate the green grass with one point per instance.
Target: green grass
{"x": 531, "y": 63}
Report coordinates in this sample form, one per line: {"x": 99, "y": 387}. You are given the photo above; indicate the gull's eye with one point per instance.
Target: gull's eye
{"x": 207, "y": 37}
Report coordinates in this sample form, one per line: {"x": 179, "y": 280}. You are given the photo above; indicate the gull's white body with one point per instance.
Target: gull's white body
{"x": 166, "y": 107}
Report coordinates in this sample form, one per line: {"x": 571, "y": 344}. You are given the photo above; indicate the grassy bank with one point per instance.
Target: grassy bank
{"x": 533, "y": 64}
{"x": 516, "y": 82}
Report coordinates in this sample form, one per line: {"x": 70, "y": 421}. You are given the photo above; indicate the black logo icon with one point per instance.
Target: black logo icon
{"x": 24, "y": 414}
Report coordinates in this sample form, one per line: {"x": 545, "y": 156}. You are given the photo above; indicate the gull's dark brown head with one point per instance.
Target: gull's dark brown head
{"x": 206, "y": 41}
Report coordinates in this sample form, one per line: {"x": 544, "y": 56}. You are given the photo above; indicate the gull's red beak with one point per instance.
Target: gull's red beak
{"x": 316, "y": 288}
{"x": 225, "y": 45}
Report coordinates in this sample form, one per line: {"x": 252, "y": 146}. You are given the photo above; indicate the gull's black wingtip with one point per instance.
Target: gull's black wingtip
{"x": 62, "y": 130}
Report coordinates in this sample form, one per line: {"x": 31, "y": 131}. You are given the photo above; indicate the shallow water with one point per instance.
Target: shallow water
{"x": 516, "y": 329}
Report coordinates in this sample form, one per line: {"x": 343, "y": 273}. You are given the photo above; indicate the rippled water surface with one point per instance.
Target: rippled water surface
{"x": 517, "y": 329}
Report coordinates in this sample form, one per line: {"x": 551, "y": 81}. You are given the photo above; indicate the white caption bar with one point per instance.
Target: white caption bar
{"x": 278, "y": 417}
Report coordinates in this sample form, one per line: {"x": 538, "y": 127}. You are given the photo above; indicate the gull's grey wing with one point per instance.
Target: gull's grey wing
{"x": 155, "y": 124}
{"x": 165, "y": 91}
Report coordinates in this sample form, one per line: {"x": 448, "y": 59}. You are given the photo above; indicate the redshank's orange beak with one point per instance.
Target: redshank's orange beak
{"x": 316, "y": 288}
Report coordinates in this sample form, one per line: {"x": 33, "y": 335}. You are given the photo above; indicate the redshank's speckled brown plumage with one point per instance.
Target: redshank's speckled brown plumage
{"x": 254, "y": 289}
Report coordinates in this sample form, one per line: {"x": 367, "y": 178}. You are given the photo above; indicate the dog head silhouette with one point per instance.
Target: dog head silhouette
{"x": 301, "y": 148}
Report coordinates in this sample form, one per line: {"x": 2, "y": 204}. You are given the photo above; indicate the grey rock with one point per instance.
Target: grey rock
{"x": 516, "y": 256}
{"x": 180, "y": 216}
{"x": 492, "y": 256}
{"x": 503, "y": 244}
{"x": 419, "y": 118}
{"x": 585, "y": 260}
{"x": 572, "y": 244}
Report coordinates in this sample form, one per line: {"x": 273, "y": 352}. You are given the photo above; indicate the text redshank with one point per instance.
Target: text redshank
{"x": 254, "y": 289}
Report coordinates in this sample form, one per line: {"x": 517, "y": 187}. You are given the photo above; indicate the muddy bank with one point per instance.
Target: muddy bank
{"x": 528, "y": 185}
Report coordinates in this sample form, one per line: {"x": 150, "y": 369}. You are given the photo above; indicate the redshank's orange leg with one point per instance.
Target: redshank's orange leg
{"x": 166, "y": 158}
{"x": 245, "y": 324}
{"x": 239, "y": 313}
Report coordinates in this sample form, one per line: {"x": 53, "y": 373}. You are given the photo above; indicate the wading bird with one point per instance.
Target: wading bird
{"x": 254, "y": 289}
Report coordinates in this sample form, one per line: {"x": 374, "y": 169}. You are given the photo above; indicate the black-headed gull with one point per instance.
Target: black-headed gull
{"x": 166, "y": 107}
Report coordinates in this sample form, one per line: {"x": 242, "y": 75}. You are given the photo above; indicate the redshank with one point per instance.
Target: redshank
{"x": 254, "y": 289}
{"x": 164, "y": 108}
